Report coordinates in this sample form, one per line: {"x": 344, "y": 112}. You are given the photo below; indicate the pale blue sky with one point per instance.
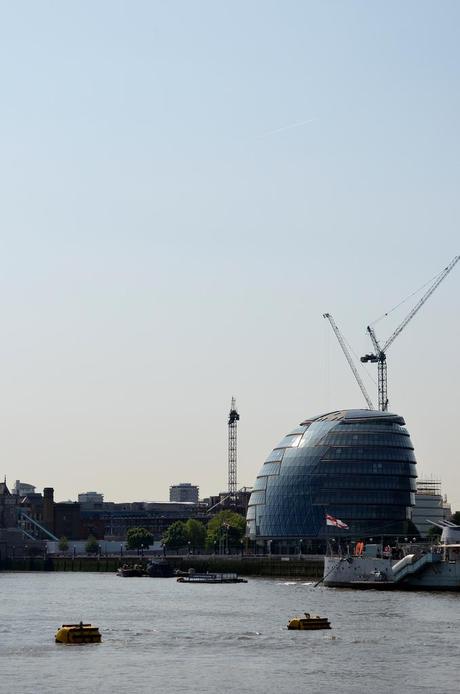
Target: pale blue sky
{"x": 167, "y": 241}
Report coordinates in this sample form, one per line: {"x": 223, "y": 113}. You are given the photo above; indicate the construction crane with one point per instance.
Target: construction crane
{"x": 349, "y": 359}
{"x": 233, "y": 418}
{"x": 379, "y": 354}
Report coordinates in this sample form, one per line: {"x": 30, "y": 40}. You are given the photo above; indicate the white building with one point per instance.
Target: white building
{"x": 185, "y": 491}
{"x": 90, "y": 498}
{"x": 23, "y": 489}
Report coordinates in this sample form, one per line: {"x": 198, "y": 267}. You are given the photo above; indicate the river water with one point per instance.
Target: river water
{"x": 163, "y": 636}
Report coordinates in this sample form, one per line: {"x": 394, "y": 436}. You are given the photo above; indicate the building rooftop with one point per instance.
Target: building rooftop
{"x": 4, "y": 491}
{"x": 355, "y": 415}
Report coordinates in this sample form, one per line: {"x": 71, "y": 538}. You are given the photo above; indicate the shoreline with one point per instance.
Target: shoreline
{"x": 244, "y": 566}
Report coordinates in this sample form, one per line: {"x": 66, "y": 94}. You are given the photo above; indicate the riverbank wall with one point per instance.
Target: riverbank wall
{"x": 306, "y": 566}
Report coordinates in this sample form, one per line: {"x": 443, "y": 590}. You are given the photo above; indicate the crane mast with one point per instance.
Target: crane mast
{"x": 349, "y": 359}
{"x": 381, "y": 359}
{"x": 379, "y": 354}
{"x": 233, "y": 418}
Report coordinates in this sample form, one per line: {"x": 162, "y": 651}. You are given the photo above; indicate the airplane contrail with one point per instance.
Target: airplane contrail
{"x": 298, "y": 124}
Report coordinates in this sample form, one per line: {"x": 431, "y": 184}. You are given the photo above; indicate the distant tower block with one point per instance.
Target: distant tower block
{"x": 233, "y": 418}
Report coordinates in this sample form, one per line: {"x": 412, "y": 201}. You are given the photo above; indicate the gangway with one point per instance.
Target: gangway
{"x": 412, "y": 564}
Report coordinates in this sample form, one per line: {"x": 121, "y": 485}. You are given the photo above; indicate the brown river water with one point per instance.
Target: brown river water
{"x": 163, "y": 636}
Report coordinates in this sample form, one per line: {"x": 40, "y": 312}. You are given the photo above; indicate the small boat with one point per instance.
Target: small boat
{"x": 154, "y": 569}
{"x": 78, "y": 633}
{"x": 159, "y": 569}
{"x": 211, "y": 578}
{"x": 127, "y": 571}
{"x": 310, "y": 621}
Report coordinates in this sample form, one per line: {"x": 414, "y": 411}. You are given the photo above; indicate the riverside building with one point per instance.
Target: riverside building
{"x": 355, "y": 465}
{"x": 185, "y": 491}
{"x": 430, "y": 505}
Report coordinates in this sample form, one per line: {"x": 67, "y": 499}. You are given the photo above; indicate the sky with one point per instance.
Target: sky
{"x": 186, "y": 187}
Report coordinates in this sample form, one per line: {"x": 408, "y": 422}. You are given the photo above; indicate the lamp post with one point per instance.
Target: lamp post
{"x": 226, "y": 527}
{"x": 215, "y": 546}
{"x": 189, "y": 543}
{"x": 121, "y": 552}
{"x": 300, "y": 548}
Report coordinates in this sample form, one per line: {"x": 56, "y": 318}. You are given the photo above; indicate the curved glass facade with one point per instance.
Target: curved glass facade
{"x": 355, "y": 465}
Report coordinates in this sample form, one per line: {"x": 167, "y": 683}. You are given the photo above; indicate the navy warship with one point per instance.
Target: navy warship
{"x": 417, "y": 566}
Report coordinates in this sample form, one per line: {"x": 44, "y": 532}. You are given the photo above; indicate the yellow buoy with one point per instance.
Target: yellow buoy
{"x": 311, "y": 622}
{"x": 78, "y": 633}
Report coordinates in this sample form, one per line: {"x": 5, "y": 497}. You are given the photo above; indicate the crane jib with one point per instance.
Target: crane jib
{"x": 380, "y": 352}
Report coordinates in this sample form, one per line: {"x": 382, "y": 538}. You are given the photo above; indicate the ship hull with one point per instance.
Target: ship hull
{"x": 364, "y": 573}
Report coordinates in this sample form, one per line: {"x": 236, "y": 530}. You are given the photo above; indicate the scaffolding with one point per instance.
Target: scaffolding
{"x": 431, "y": 487}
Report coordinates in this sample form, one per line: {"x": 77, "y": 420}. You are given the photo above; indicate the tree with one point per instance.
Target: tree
{"x": 92, "y": 545}
{"x": 175, "y": 536}
{"x": 63, "y": 544}
{"x": 196, "y": 533}
{"x": 136, "y": 538}
{"x": 225, "y": 531}
{"x": 434, "y": 532}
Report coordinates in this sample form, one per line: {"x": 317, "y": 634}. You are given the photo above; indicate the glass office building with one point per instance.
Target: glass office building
{"x": 355, "y": 465}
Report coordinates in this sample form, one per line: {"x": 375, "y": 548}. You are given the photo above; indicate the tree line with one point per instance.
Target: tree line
{"x": 223, "y": 533}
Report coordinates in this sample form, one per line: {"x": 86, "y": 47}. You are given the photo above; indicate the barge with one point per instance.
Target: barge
{"x": 211, "y": 578}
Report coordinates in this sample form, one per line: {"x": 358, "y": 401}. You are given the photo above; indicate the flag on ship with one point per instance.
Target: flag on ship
{"x": 330, "y": 520}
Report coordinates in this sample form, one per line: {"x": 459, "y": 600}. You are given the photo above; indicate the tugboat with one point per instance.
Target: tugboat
{"x": 311, "y": 622}
{"x": 78, "y": 633}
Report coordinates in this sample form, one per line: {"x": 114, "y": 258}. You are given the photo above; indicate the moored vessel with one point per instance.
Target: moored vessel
{"x": 135, "y": 571}
{"x": 421, "y": 567}
{"x": 159, "y": 569}
{"x": 211, "y": 578}
{"x": 153, "y": 569}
